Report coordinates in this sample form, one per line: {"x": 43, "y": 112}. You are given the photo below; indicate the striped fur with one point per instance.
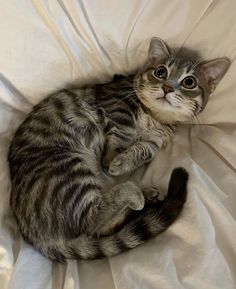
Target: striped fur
{"x": 65, "y": 160}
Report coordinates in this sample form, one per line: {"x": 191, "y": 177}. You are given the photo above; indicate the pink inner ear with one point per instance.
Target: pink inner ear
{"x": 157, "y": 49}
{"x": 211, "y": 88}
{"x": 214, "y": 71}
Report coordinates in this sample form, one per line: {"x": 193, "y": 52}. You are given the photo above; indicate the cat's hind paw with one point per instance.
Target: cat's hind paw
{"x": 152, "y": 194}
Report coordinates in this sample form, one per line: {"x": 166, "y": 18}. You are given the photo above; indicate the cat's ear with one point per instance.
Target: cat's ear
{"x": 214, "y": 70}
{"x": 158, "y": 50}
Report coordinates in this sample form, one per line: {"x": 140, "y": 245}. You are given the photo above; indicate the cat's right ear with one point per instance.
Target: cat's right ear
{"x": 158, "y": 50}
{"x": 214, "y": 70}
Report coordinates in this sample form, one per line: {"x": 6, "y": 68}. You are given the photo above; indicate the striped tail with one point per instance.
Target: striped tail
{"x": 138, "y": 227}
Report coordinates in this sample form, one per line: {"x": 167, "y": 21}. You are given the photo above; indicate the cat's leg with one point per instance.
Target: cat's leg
{"x": 117, "y": 141}
{"x": 119, "y": 202}
{"x": 138, "y": 154}
{"x": 113, "y": 206}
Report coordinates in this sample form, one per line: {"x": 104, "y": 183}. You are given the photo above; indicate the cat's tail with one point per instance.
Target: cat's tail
{"x": 138, "y": 227}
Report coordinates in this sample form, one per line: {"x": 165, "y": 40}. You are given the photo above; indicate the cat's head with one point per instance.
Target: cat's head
{"x": 175, "y": 84}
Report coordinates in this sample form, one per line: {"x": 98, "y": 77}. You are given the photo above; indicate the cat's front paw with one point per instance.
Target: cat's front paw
{"x": 120, "y": 166}
{"x": 110, "y": 155}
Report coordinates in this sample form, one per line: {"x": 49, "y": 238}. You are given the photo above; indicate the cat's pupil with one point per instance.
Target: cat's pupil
{"x": 161, "y": 72}
{"x": 189, "y": 82}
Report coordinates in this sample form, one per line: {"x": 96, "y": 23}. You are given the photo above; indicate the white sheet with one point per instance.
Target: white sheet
{"x": 47, "y": 44}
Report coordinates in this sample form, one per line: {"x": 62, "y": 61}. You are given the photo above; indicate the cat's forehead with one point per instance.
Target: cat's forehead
{"x": 185, "y": 55}
{"x": 178, "y": 69}
{"x": 184, "y": 58}
{"x": 183, "y": 61}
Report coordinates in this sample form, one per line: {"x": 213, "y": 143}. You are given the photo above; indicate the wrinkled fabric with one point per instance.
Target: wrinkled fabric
{"x": 48, "y": 44}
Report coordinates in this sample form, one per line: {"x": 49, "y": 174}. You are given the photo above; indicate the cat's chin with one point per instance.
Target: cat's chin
{"x": 163, "y": 100}
{"x": 163, "y": 109}
{"x": 165, "y": 105}
{"x": 167, "y": 113}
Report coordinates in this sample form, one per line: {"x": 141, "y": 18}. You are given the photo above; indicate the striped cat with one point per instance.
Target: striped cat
{"x": 67, "y": 157}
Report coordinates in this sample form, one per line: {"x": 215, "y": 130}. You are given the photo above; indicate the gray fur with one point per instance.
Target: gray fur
{"x": 66, "y": 157}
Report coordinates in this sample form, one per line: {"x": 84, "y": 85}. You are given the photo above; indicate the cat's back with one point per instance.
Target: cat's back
{"x": 57, "y": 119}
{"x": 62, "y": 126}
{"x": 54, "y": 154}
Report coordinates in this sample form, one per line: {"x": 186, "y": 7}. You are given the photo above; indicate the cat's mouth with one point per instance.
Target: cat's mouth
{"x": 164, "y": 99}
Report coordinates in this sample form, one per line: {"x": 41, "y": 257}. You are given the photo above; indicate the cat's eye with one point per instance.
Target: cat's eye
{"x": 189, "y": 82}
{"x": 160, "y": 72}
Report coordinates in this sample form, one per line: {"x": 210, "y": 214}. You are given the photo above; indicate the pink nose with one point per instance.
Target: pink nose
{"x": 167, "y": 88}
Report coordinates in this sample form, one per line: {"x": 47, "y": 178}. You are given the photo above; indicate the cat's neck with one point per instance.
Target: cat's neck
{"x": 162, "y": 118}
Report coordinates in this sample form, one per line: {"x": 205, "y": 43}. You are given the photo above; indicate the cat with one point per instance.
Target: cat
{"x": 66, "y": 159}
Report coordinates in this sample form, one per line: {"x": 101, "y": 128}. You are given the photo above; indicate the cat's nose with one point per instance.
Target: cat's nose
{"x": 167, "y": 88}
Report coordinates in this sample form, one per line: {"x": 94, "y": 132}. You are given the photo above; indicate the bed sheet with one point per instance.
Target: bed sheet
{"x": 48, "y": 44}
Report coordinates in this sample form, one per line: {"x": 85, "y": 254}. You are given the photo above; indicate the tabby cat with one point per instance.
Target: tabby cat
{"x": 67, "y": 157}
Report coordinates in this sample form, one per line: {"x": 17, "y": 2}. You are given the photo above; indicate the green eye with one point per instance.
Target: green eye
{"x": 189, "y": 82}
{"x": 160, "y": 72}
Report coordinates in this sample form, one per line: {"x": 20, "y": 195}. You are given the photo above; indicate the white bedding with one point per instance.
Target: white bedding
{"x": 47, "y": 44}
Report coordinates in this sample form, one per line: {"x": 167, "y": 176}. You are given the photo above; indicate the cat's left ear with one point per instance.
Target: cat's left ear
{"x": 158, "y": 50}
{"x": 214, "y": 70}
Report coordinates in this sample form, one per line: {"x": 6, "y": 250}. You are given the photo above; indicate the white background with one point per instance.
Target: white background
{"x": 45, "y": 45}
